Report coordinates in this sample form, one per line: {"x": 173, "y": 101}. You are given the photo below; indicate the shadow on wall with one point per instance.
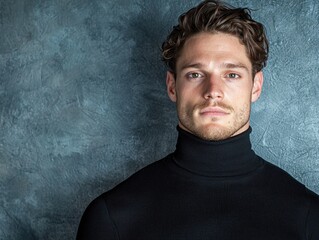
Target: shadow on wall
{"x": 155, "y": 117}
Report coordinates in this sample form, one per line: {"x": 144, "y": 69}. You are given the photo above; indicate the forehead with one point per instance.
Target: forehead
{"x": 214, "y": 48}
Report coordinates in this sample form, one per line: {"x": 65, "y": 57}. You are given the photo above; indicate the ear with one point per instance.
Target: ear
{"x": 257, "y": 87}
{"x": 171, "y": 85}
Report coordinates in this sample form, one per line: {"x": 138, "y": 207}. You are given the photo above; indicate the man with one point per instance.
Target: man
{"x": 213, "y": 186}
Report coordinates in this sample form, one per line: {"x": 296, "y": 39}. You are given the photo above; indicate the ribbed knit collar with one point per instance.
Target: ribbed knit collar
{"x": 230, "y": 157}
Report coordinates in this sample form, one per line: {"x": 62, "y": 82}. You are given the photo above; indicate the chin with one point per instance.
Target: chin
{"x": 213, "y": 133}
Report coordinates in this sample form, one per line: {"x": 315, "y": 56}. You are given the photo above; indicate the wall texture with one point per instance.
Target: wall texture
{"x": 83, "y": 102}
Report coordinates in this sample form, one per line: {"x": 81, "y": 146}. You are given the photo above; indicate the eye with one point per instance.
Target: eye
{"x": 194, "y": 75}
{"x": 232, "y": 75}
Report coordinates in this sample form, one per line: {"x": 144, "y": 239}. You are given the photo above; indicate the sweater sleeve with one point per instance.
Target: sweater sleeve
{"x": 313, "y": 218}
{"x": 96, "y": 223}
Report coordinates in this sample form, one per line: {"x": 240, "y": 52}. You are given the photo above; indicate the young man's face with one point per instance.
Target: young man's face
{"x": 214, "y": 89}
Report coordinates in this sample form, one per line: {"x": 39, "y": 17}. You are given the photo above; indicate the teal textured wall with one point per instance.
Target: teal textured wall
{"x": 83, "y": 102}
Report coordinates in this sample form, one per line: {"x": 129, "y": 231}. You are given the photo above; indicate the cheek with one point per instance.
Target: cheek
{"x": 183, "y": 97}
{"x": 245, "y": 109}
{"x": 242, "y": 94}
{"x": 186, "y": 99}
{"x": 185, "y": 106}
{"x": 240, "y": 101}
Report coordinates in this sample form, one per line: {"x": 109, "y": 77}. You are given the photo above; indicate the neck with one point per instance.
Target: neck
{"x": 230, "y": 157}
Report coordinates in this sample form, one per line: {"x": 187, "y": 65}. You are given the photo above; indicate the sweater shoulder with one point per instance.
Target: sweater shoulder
{"x": 96, "y": 222}
{"x": 145, "y": 178}
{"x": 296, "y": 196}
{"x": 312, "y": 222}
{"x": 281, "y": 180}
{"x": 282, "y": 177}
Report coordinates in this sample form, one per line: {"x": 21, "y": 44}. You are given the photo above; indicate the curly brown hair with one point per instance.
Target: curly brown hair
{"x": 214, "y": 16}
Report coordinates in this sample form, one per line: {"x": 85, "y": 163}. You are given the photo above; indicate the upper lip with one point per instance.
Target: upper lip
{"x": 213, "y": 110}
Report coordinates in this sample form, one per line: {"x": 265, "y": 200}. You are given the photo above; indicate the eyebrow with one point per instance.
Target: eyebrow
{"x": 235, "y": 65}
{"x": 226, "y": 65}
{"x": 192, "y": 65}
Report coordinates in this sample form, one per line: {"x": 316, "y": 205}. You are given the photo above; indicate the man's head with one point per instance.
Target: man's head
{"x": 215, "y": 56}
{"x": 217, "y": 17}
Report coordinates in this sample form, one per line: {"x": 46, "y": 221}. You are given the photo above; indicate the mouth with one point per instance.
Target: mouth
{"x": 213, "y": 112}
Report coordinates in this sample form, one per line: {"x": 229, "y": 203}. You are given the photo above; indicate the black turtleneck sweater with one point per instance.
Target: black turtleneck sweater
{"x": 205, "y": 190}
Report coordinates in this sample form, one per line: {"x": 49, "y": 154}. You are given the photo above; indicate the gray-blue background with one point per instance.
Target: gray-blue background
{"x": 83, "y": 101}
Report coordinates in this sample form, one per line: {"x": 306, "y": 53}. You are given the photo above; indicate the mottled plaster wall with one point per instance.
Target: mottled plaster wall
{"x": 83, "y": 102}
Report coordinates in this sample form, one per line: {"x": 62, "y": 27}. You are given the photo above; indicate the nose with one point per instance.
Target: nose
{"x": 213, "y": 88}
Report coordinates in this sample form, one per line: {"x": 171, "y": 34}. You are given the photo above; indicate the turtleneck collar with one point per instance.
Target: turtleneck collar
{"x": 230, "y": 157}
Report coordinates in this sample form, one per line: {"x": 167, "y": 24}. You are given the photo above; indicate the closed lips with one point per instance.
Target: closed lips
{"x": 213, "y": 110}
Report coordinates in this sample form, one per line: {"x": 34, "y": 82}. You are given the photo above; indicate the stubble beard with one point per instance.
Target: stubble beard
{"x": 214, "y": 130}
